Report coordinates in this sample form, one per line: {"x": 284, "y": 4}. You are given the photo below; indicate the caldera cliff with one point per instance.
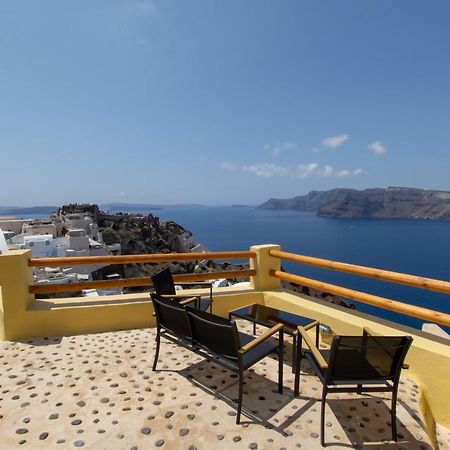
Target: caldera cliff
{"x": 377, "y": 203}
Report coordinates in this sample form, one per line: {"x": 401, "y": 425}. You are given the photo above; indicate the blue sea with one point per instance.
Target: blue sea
{"x": 408, "y": 246}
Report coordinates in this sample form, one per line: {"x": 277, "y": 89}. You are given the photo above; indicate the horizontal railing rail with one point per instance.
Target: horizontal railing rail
{"x": 369, "y": 272}
{"x": 370, "y": 299}
{"x": 136, "y": 259}
{"x": 137, "y": 281}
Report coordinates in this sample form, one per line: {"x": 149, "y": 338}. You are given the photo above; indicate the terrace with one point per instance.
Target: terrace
{"x": 76, "y": 372}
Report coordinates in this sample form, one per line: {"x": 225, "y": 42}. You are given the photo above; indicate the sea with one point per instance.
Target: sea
{"x": 416, "y": 247}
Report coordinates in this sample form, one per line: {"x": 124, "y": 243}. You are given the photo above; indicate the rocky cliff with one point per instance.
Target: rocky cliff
{"x": 389, "y": 203}
{"x": 138, "y": 234}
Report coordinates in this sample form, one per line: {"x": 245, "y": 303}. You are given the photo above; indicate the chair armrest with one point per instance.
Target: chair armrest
{"x": 199, "y": 283}
{"x": 188, "y": 300}
{"x": 311, "y": 325}
{"x": 252, "y": 344}
{"x": 314, "y": 350}
{"x": 178, "y": 297}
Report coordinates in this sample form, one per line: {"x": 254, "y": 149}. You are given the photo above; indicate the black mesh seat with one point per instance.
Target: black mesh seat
{"x": 215, "y": 338}
{"x": 164, "y": 286}
{"x": 237, "y": 351}
{"x": 366, "y": 363}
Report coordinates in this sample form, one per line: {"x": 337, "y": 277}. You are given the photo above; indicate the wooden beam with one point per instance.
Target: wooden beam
{"x": 369, "y": 272}
{"x": 314, "y": 350}
{"x": 252, "y": 344}
{"x": 136, "y": 259}
{"x": 428, "y": 315}
{"x": 138, "y": 281}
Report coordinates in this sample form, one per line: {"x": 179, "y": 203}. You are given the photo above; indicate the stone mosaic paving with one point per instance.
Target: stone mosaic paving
{"x": 98, "y": 392}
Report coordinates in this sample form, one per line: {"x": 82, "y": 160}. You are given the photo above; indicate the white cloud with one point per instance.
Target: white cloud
{"x": 302, "y": 171}
{"x": 378, "y": 148}
{"x": 122, "y": 194}
{"x": 279, "y": 148}
{"x": 266, "y": 170}
{"x": 227, "y": 165}
{"x": 306, "y": 170}
{"x": 335, "y": 141}
{"x": 327, "y": 171}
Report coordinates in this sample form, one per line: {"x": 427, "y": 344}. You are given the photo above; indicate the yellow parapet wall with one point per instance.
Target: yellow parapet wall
{"x": 22, "y": 316}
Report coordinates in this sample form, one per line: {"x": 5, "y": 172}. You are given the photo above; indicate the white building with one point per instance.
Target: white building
{"x": 85, "y": 222}
{"x": 41, "y": 245}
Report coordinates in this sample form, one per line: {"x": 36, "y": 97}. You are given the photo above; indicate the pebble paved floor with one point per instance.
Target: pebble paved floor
{"x": 98, "y": 392}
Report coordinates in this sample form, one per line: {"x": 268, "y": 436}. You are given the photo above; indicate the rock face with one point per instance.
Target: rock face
{"x": 389, "y": 203}
{"x": 138, "y": 234}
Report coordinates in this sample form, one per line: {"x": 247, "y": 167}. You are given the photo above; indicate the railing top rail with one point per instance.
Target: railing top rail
{"x": 381, "y": 302}
{"x": 369, "y": 272}
{"x": 137, "y": 259}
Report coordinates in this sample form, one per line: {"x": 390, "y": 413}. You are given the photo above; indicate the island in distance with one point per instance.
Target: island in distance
{"x": 376, "y": 203}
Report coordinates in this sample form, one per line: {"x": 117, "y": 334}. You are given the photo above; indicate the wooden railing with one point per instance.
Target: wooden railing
{"x": 136, "y": 259}
{"x": 368, "y": 272}
{"x": 374, "y": 300}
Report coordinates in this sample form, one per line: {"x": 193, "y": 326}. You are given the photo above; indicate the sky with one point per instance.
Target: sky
{"x": 220, "y": 102}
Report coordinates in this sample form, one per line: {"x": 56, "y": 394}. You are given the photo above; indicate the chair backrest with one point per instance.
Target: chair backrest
{"x": 367, "y": 357}
{"x": 163, "y": 283}
{"x": 215, "y": 333}
{"x": 172, "y": 316}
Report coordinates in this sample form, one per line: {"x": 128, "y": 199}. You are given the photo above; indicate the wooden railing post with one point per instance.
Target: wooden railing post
{"x": 15, "y": 279}
{"x": 264, "y": 263}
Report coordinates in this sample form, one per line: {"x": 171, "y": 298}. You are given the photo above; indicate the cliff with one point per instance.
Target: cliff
{"x": 139, "y": 234}
{"x": 389, "y": 203}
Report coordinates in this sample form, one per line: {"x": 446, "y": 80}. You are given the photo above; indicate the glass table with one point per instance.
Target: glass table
{"x": 267, "y": 317}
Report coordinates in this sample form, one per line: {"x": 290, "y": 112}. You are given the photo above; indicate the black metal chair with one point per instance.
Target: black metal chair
{"x": 164, "y": 286}
{"x": 216, "y": 339}
{"x": 360, "y": 364}
{"x": 171, "y": 321}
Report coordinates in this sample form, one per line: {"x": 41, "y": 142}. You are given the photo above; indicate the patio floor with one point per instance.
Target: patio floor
{"x": 98, "y": 392}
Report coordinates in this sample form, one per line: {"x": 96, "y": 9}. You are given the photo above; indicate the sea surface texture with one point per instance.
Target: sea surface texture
{"x": 410, "y": 246}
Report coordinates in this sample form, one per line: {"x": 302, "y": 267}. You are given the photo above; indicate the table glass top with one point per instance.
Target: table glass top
{"x": 264, "y": 315}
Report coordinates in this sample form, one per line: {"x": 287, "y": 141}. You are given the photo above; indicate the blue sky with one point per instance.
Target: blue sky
{"x": 220, "y": 102}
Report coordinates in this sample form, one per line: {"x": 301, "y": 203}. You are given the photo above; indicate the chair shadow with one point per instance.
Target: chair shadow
{"x": 363, "y": 432}
{"x": 222, "y": 383}
{"x": 366, "y": 421}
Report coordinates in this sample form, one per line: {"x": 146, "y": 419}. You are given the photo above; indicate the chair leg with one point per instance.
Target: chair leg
{"x": 394, "y": 414}
{"x": 322, "y": 417}
{"x": 158, "y": 342}
{"x": 241, "y": 391}
{"x": 294, "y": 351}
{"x": 298, "y": 363}
{"x": 280, "y": 362}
